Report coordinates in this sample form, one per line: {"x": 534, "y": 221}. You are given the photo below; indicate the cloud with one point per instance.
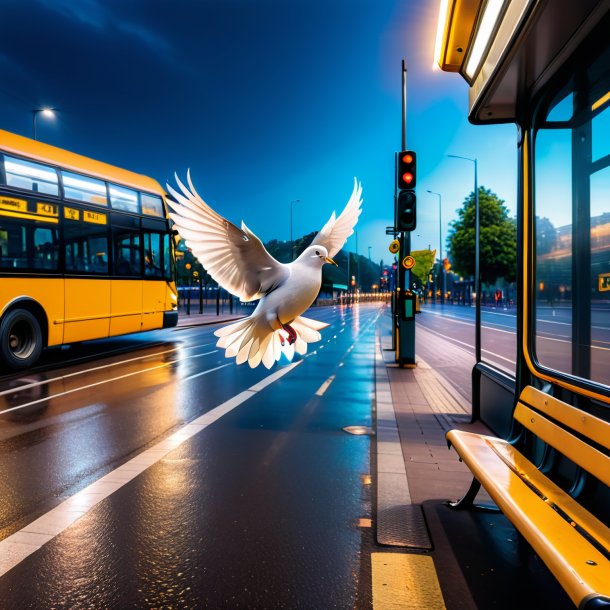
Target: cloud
{"x": 94, "y": 14}
{"x": 149, "y": 37}
{"x": 89, "y": 12}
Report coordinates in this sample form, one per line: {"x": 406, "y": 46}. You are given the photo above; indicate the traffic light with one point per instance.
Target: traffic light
{"x": 406, "y": 176}
{"x": 405, "y": 211}
{"x": 405, "y": 182}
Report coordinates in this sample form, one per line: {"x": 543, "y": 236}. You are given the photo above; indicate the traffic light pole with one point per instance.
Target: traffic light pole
{"x": 404, "y": 313}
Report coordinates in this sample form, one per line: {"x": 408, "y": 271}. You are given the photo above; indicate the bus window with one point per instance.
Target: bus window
{"x": 122, "y": 198}
{"x": 86, "y": 247}
{"x": 152, "y": 255}
{"x": 152, "y": 205}
{"x": 27, "y": 245}
{"x": 31, "y": 176}
{"x": 84, "y": 189}
{"x": 169, "y": 271}
{"x": 126, "y": 245}
{"x": 45, "y": 248}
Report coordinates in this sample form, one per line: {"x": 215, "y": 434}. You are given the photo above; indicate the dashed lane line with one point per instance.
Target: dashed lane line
{"x": 322, "y": 389}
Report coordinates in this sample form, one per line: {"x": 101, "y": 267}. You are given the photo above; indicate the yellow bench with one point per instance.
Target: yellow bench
{"x": 573, "y": 543}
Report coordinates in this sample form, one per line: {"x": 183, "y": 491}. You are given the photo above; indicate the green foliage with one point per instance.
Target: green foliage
{"x": 424, "y": 261}
{"x": 366, "y": 272}
{"x": 498, "y": 239}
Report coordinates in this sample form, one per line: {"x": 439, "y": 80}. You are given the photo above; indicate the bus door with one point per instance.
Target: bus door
{"x": 126, "y": 289}
{"x": 154, "y": 287}
{"x": 87, "y": 285}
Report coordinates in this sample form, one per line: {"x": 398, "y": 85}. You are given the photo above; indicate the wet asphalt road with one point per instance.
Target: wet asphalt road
{"x": 259, "y": 510}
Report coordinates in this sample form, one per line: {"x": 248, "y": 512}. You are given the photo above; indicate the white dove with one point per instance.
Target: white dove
{"x": 238, "y": 261}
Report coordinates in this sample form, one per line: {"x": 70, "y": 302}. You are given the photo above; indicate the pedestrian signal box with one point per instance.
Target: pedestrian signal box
{"x": 408, "y": 305}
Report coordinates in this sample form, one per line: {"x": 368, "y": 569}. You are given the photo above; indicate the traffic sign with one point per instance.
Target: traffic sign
{"x": 408, "y": 262}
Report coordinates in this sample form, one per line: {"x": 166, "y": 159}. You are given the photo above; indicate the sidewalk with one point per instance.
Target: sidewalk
{"x": 425, "y": 406}
{"x": 414, "y": 409}
{"x": 417, "y": 474}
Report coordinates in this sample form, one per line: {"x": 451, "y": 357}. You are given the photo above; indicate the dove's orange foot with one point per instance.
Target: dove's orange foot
{"x": 292, "y": 334}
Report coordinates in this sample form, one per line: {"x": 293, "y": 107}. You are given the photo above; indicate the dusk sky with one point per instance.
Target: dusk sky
{"x": 266, "y": 102}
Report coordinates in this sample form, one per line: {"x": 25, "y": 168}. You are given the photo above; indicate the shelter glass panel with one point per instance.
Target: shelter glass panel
{"x": 572, "y": 226}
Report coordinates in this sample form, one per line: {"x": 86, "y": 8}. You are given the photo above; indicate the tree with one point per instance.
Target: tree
{"x": 424, "y": 261}
{"x": 498, "y": 239}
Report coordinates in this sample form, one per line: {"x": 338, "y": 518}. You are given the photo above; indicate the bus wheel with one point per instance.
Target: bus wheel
{"x": 20, "y": 339}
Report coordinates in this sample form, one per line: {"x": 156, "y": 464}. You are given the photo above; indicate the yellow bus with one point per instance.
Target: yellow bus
{"x": 86, "y": 251}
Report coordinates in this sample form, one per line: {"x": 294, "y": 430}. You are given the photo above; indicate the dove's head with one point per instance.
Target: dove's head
{"x": 316, "y": 256}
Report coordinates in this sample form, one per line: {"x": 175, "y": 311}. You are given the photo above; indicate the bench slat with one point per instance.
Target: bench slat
{"x": 581, "y": 453}
{"x": 588, "y": 425}
{"x": 565, "y": 551}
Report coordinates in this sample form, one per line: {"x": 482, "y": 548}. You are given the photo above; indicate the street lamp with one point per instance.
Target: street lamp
{"x": 46, "y": 112}
{"x": 477, "y": 274}
{"x": 291, "y": 242}
{"x": 440, "y": 240}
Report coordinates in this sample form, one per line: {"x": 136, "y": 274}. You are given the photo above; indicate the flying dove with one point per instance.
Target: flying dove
{"x": 238, "y": 261}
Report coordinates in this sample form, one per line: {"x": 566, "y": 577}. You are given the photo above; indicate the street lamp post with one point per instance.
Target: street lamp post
{"x": 477, "y": 273}
{"x": 291, "y": 242}
{"x": 440, "y": 241}
{"x": 47, "y": 112}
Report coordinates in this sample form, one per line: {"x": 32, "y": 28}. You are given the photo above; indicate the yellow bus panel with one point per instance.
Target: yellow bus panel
{"x": 48, "y": 293}
{"x": 126, "y": 306}
{"x": 154, "y": 303}
{"x": 87, "y": 309}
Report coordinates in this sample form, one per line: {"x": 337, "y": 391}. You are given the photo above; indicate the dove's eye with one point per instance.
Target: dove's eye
{"x": 318, "y": 252}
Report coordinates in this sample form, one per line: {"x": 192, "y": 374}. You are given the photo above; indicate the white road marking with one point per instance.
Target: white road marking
{"x": 103, "y": 381}
{"x": 97, "y": 368}
{"x": 21, "y": 544}
{"x": 320, "y": 391}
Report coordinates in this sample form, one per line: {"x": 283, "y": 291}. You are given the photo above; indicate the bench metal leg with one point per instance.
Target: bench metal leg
{"x": 466, "y": 500}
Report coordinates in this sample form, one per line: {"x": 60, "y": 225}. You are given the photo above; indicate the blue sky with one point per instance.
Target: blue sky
{"x": 266, "y": 101}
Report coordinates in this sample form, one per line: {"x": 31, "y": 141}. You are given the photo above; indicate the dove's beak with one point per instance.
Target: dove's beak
{"x": 330, "y": 260}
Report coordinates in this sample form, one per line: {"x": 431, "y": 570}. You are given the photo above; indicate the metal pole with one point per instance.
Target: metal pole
{"x": 34, "y": 112}
{"x": 477, "y": 269}
{"x": 477, "y": 266}
{"x": 357, "y": 262}
{"x": 404, "y": 105}
{"x": 440, "y": 241}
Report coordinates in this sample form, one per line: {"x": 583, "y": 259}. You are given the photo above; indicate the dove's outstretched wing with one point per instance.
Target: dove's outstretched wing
{"x": 336, "y": 231}
{"x": 235, "y": 258}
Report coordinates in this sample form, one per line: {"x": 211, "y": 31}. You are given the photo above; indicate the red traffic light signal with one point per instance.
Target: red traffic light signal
{"x": 406, "y": 176}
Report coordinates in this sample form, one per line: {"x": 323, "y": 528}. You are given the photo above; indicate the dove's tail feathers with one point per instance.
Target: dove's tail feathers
{"x": 252, "y": 340}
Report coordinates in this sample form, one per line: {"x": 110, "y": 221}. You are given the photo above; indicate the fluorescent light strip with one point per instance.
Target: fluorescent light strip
{"x": 491, "y": 14}
{"x": 443, "y": 15}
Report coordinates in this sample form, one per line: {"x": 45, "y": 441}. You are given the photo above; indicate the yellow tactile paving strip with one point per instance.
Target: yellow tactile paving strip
{"x": 405, "y": 582}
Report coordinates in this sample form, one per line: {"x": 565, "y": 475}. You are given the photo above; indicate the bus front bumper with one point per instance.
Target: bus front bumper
{"x": 170, "y": 319}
